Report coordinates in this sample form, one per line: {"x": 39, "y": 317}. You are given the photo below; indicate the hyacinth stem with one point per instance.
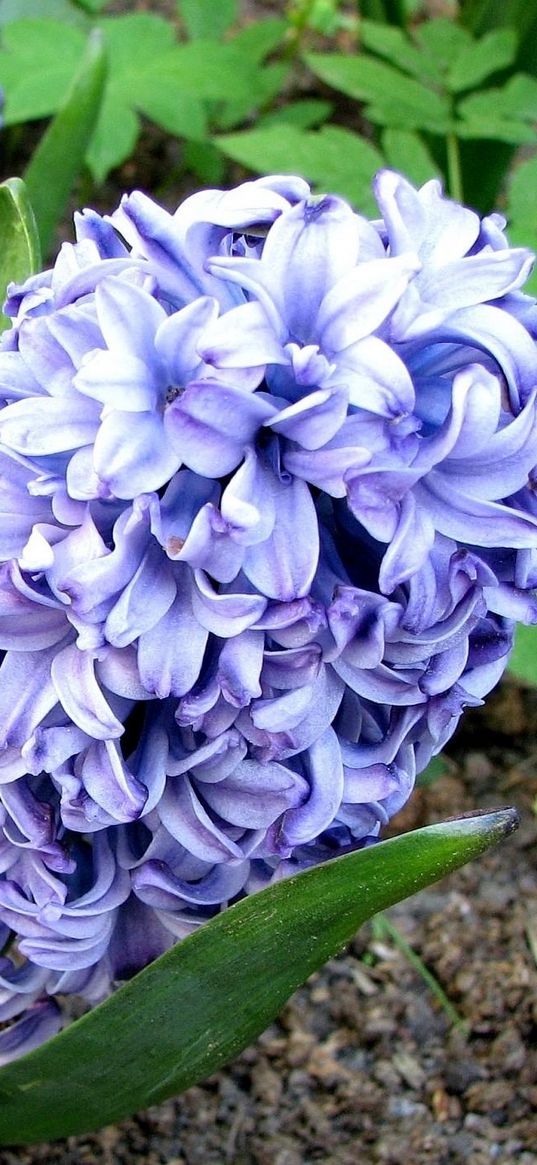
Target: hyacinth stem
{"x": 454, "y": 167}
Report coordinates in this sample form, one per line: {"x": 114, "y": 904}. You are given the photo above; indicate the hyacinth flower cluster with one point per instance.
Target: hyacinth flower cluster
{"x": 267, "y": 521}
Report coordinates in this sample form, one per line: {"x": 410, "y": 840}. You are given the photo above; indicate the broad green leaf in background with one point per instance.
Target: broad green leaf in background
{"x": 20, "y": 254}
{"x": 305, "y": 114}
{"x": 332, "y": 158}
{"x": 522, "y": 228}
{"x": 258, "y": 39}
{"x": 393, "y": 98}
{"x": 523, "y": 661}
{"x": 208, "y": 997}
{"x": 205, "y": 20}
{"x": 65, "y": 10}
{"x": 38, "y": 60}
{"x": 443, "y": 41}
{"x": 396, "y": 47}
{"x": 269, "y": 83}
{"x": 59, "y": 157}
{"x": 494, "y": 52}
{"x": 508, "y": 113}
{"x": 406, "y": 152}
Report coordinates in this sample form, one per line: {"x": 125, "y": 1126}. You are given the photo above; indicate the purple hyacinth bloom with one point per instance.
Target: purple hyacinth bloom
{"x": 267, "y": 520}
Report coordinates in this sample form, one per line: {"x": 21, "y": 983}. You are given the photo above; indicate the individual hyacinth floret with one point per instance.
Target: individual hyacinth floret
{"x": 268, "y": 517}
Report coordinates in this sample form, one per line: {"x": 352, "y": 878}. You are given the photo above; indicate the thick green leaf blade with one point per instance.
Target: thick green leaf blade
{"x": 20, "y": 254}
{"x": 59, "y": 157}
{"x": 208, "y": 997}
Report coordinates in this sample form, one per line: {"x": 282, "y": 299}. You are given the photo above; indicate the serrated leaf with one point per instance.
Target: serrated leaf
{"x": 20, "y": 253}
{"x": 523, "y": 660}
{"x": 395, "y": 46}
{"x": 38, "y": 61}
{"x": 405, "y": 151}
{"x": 443, "y": 41}
{"x": 205, "y": 20}
{"x": 332, "y": 158}
{"x": 58, "y": 159}
{"x": 208, "y": 997}
{"x": 394, "y": 99}
{"x": 494, "y": 52}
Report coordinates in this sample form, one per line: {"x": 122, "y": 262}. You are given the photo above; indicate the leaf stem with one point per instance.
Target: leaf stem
{"x": 454, "y": 167}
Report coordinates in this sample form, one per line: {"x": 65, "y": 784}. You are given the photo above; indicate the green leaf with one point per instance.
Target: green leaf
{"x": 209, "y": 996}
{"x": 405, "y": 151}
{"x": 501, "y": 113}
{"x": 498, "y": 128}
{"x": 523, "y": 661}
{"x": 258, "y": 39}
{"x": 65, "y": 10}
{"x": 333, "y": 158}
{"x": 516, "y": 100}
{"x": 58, "y": 159}
{"x": 495, "y": 51}
{"x": 205, "y": 20}
{"x": 522, "y": 215}
{"x": 304, "y": 114}
{"x": 269, "y": 83}
{"x": 115, "y": 136}
{"x": 207, "y": 70}
{"x": 437, "y": 767}
{"x": 522, "y": 195}
{"x": 443, "y": 41}
{"x": 139, "y": 47}
{"x": 38, "y": 61}
{"x": 392, "y": 44}
{"x": 395, "y": 99}
{"x": 20, "y": 254}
